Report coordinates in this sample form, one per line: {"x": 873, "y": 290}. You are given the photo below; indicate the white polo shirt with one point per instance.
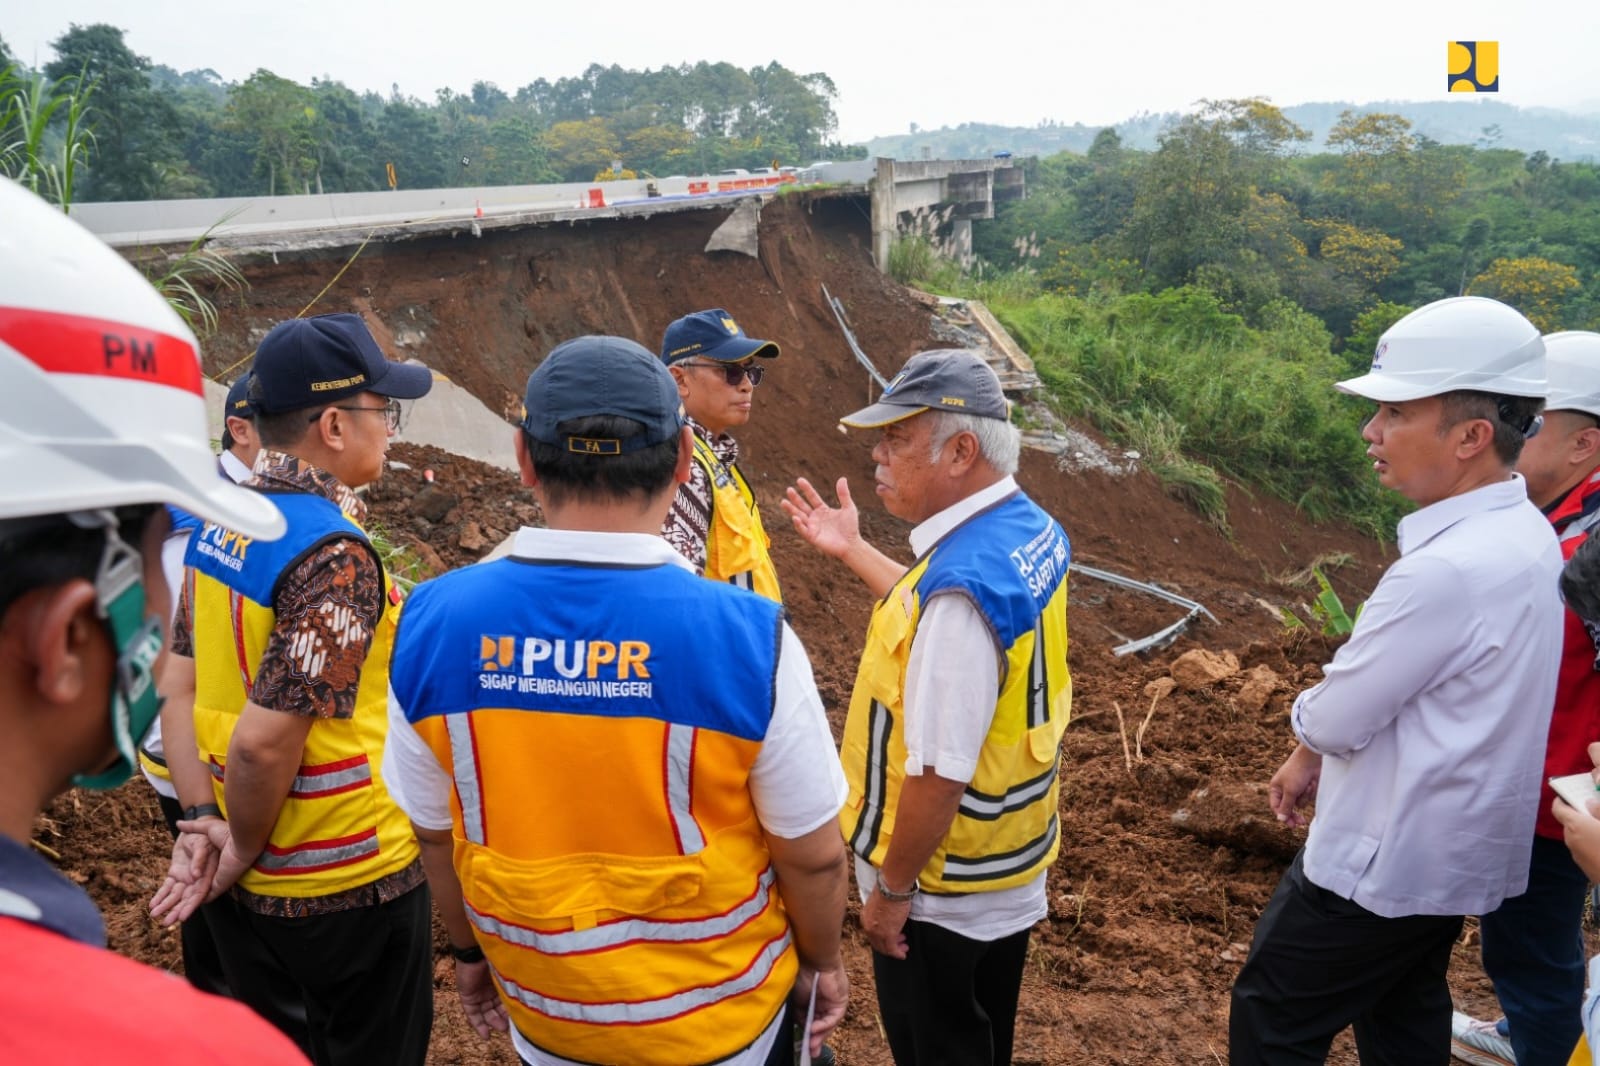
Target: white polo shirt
{"x": 1432, "y": 719}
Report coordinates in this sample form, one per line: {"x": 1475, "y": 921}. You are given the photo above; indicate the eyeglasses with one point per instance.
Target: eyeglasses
{"x": 733, "y": 373}
{"x": 392, "y": 412}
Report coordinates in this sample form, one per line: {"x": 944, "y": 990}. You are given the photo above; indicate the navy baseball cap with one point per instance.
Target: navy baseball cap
{"x": 307, "y": 362}
{"x": 712, "y": 334}
{"x": 945, "y": 379}
{"x": 597, "y": 375}
{"x": 238, "y": 403}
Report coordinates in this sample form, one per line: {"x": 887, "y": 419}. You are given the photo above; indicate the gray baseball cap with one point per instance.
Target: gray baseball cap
{"x": 945, "y": 379}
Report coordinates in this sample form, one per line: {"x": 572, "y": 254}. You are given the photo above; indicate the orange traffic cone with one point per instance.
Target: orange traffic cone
{"x": 478, "y": 212}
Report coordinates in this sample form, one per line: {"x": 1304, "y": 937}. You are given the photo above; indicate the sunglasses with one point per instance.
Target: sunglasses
{"x": 733, "y": 373}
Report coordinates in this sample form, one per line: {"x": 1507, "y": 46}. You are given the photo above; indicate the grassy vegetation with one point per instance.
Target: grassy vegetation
{"x": 403, "y": 564}
{"x": 1202, "y": 396}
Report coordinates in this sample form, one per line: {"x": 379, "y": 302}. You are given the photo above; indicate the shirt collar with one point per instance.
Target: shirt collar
{"x": 723, "y": 446}
{"x": 233, "y": 468}
{"x": 587, "y": 546}
{"x": 280, "y": 470}
{"x": 32, "y": 890}
{"x": 1419, "y": 527}
{"x": 932, "y": 530}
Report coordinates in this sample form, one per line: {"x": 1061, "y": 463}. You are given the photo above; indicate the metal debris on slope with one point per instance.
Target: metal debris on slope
{"x": 1158, "y": 639}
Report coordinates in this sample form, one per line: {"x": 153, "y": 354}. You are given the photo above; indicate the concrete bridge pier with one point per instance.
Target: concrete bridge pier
{"x": 932, "y": 195}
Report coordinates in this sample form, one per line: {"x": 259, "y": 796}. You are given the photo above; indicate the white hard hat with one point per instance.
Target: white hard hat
{"x": 100, "y": 391}
{"x": 1464, "y": 342}
{"x": 1572, "y": 359}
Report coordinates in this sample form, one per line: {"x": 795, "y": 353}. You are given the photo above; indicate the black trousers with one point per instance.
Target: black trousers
{"x": 952, "y": 1000}
{"x": 1319, "y": 963}
{"x": 364, "y": 975}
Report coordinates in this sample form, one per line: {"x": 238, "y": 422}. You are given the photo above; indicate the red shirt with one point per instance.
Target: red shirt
{"x": 1575, "y": 723}
{"x": 62, "y": 1001}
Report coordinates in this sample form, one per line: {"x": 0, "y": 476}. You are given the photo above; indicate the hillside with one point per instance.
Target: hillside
{"x": 1167, "y": 858}
{"x": 1480, "y": 121}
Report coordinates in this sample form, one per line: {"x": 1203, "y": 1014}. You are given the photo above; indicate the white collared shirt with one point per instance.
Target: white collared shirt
{"x": 953, "y": 655}
{"x": 172, "y": 551}
{"x": 1432, "y": 719}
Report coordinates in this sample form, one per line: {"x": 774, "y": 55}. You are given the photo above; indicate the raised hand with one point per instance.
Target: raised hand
{"x": 831, "y": 530}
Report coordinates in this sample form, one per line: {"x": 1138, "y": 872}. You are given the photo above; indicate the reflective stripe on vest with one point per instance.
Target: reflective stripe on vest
{"x": 624, "y": 931}
{"x": 318, "y": 855}
{"x": 464, "y": 759}
{"x": 738, "y": 550}
{"x": 679, "y": 786}
{"x": 985, "y": 807}
{"x": 665, "y": 1008}
{"x": 864, "y": 841}
{"x": 1006, "y": 864}
{"x": 328, "y": 779}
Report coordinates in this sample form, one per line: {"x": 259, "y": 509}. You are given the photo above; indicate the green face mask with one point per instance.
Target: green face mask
{"x": 119, "y": 590}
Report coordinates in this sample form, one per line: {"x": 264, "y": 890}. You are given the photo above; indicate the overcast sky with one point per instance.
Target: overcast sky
{"x": 1012, "y": 62}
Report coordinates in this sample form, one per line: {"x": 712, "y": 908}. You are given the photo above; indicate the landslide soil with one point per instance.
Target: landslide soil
{"x": 1167, "y": 854}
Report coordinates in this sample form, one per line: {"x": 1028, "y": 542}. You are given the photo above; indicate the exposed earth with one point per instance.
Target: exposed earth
{"x": 1168, "y": 851}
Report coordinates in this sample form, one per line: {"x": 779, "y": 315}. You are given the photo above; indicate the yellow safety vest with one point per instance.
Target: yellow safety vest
{"x": 1011, "y": 562}
{"x": 737, "y": 546}
{"x": 338, "y": 829}
{"x": 606, "y": 842}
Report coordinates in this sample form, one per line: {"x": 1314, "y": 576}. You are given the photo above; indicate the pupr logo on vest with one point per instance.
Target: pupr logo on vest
{"x": 583, "y": 667}
{"x": 223, "y": 545}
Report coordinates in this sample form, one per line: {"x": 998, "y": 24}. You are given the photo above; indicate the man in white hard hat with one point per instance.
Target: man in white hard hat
{"x": 1533, "y": 943}
{"x": 1424, "y": 742}
{"x": 102, "y": 421}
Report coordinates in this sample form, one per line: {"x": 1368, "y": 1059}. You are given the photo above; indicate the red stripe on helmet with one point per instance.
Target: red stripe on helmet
{"x": 75, "y": 344}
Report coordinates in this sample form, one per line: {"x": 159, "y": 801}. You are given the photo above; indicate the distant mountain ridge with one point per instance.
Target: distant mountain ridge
{"x": 1481, "y": 121}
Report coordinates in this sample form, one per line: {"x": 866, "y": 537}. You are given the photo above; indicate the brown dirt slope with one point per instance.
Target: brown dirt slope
{"x": 1166, "y": 858}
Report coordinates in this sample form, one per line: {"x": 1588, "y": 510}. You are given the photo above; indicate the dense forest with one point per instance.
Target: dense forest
{"x": 1196, "y": 301}
{"x": 1232, "y": 203}
{"x": 160, "y": 134}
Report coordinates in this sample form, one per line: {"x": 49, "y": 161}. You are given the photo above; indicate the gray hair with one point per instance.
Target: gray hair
{"x": 999, "y": 442}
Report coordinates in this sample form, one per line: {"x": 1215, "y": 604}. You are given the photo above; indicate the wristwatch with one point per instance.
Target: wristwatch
{"x": 898, "y": 897}
{"x": 467, "y": 955}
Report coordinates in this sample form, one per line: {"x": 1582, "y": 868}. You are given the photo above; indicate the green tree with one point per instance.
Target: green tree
{"x": 516, "y": 153}
{"x": 137, "y": 130}
{"x": 280, "y": 116}
{"x": 1537, "y": 287}
{"x": 1193, "y": 193}
{"x": 1368, "y": 326}
{"x": 410, "y": 138}
{"x": 578, "y": 149}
